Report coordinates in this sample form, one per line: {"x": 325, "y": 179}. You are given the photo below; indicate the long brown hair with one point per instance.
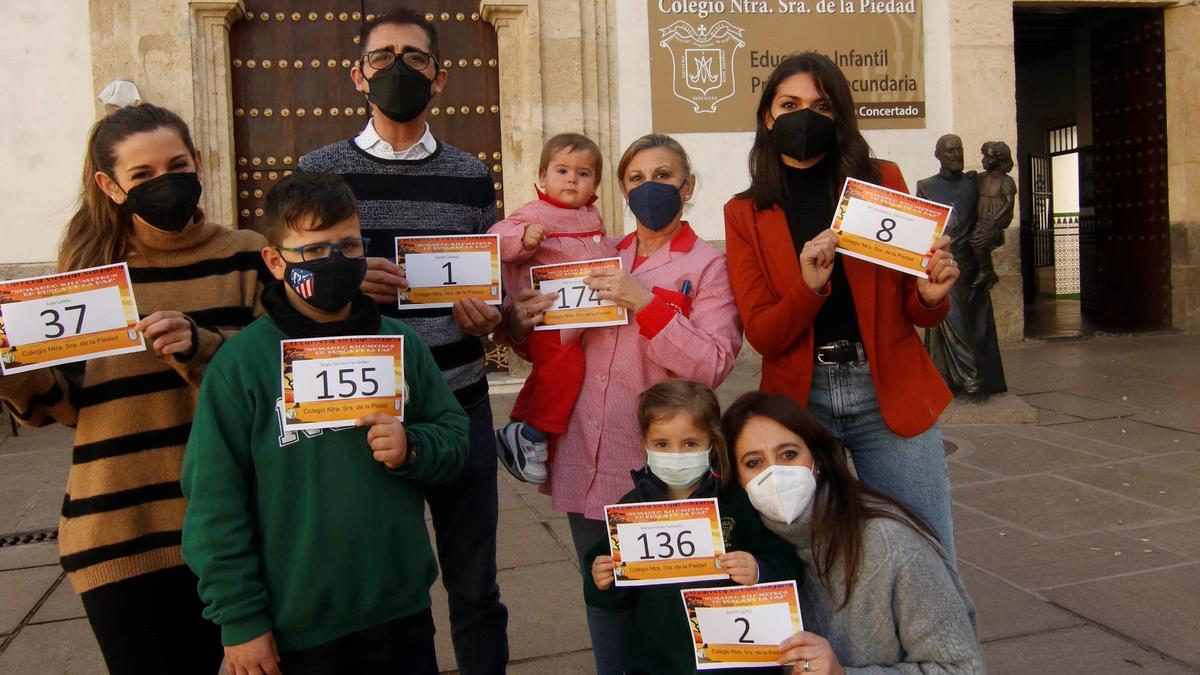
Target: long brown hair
{"x": 671, "y": 397}
{"x": 98, "y": 233}
{"x": 851, "y": 155}
{"x": 842, "y": 505}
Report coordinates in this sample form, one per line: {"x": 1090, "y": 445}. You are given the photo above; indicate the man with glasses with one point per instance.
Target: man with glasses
{"x": 409, "y": 183}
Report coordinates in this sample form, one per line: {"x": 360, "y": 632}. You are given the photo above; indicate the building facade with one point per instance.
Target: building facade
{"x": 540, "y": 67}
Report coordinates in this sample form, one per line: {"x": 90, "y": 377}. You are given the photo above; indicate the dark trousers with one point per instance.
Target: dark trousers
{"x": 400, "y": 647}
{"x": 152, "y": 624}
{"x": 464, "y": 514}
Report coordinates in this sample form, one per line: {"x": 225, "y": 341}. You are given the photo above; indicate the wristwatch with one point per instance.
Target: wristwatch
{"x": 410, "y": 455}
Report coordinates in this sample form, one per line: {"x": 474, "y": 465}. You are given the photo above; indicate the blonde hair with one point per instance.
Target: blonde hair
{"x": 98, "y": 233}
{"x": 669, "y": 398}
{"x": 650, "y": 141}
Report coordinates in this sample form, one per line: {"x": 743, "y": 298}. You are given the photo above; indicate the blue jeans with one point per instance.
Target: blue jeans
{"x": 912, "y": 470}
{"x": 465, "y": 512}
{"x": 607, "y": 629}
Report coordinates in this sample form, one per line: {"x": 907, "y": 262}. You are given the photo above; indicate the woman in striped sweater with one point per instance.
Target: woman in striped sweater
{"x": 195, "y": 283}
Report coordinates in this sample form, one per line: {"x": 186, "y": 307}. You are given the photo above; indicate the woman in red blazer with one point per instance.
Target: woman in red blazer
{"x": 836, "y": 333}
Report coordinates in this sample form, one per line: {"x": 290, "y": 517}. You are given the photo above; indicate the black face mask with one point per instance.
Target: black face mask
{"x": 167, "y": 202}
{"x": 328, "y": 284}
{"x": 400, "y": 92}
{"x": 803, "y": 134}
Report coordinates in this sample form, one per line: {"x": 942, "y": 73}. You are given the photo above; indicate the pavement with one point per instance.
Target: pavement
{"x": 1078, "y": 534}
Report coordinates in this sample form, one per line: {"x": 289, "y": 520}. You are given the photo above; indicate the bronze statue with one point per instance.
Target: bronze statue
{"x": 964, "y": 347}
{"x": 997, "y": 196}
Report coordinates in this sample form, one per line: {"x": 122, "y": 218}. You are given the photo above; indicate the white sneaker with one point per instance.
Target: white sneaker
{"x": 523, "y": 458}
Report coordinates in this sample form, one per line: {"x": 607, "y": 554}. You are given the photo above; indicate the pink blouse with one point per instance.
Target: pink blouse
{"x": 602, "y": 443}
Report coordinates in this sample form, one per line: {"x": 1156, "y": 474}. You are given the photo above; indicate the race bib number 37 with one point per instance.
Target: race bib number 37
{"x": 330, "y": 382}
{"x": 665, "y": 542}
{"x": 63, "y": 318}
{"x": 576, "y": 305}
{"x": 887, "y": 227}
{"x": 741, "y": 626}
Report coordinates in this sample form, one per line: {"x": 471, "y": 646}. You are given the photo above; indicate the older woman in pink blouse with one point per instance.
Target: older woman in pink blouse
{"x": 684, "y": 324}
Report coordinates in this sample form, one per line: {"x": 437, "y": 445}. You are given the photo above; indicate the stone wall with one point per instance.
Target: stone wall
{"x": 1183, "y": 162}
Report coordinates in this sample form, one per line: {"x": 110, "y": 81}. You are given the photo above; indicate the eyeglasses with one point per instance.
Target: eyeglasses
{"x": 353, "y": 248}
{"x": 382, "y": 59}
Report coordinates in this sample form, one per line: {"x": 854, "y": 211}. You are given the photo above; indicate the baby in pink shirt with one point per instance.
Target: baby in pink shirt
{"x": 560, "y": 226}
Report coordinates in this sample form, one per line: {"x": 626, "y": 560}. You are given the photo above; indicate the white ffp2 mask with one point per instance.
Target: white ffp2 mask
{"x": 782, "y": 492}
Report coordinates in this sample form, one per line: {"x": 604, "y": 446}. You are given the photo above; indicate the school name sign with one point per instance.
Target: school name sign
{"x": 709, "y": 59}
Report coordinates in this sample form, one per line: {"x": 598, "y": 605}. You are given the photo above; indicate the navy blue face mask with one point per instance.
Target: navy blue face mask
{"x": 655, "y": 205}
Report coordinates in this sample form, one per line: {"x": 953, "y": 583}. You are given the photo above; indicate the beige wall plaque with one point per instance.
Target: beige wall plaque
{"x": 709, "y": 59}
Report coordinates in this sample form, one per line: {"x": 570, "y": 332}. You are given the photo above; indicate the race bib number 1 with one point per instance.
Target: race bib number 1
{"x": 445, "y": 269}
{"x": 887, "y": 227}
{"x": 330, "y": 382}
{"x": 63, "y": 318}
{"x": 665, "y": 542}
{"x": 741, "y": 626}
{"x": 576, "y": 305}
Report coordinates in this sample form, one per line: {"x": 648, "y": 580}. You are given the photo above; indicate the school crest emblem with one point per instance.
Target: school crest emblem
{"x": 702, "y": 58}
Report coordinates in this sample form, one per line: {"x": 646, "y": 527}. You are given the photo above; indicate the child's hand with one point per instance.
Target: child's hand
{"x": 169, "y": 332}
{"x": 259, "y": 655}
{"x": 534, "y": 234}
{"x": 602, "y": 572}
{"x": 386, "y": 438}
{"x": 742, "y": 567}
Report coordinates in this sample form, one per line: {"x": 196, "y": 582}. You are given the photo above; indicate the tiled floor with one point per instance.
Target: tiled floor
{"x": 1078, "y": 536}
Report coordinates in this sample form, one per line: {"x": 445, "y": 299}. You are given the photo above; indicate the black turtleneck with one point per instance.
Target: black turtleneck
{"x": 362, "y": 320}
{"x": 812, "y": 197}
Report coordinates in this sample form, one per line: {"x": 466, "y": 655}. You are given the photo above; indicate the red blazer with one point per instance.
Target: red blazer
{"x": 778, "y": 310}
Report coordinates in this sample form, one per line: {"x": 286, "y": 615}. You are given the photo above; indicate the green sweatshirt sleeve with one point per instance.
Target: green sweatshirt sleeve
{"x": 777, "y": 559}
{"x": 434, "y": 421}
{"x": 220, "y": 538}
{"x": 614, "y": 599}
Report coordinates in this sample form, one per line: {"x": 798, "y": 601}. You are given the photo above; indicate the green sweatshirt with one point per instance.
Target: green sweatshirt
{"x": 304, "y": 533}
{"x": 658, "y": 638}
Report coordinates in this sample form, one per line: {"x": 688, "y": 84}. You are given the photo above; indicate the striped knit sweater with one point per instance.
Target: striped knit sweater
{"x": 449, "y": 192}
{"x": 123, "y": 511}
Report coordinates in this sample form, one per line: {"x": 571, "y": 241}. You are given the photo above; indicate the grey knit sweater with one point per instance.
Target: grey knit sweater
{"x": 909, "y": 612}
{"x": 449, "y": 192}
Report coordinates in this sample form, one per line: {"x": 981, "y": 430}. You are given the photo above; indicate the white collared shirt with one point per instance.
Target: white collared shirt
{"x": 370, "y": 141}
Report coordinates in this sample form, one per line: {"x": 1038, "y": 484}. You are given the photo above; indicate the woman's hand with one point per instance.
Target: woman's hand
{"x": 169, "y": 332}
{"x": 942, "y": 273}
{"x": 816, "y": 260}
{"x": 809, "y": 653}
{"x": 742, "y": 567}
{"x": 259, "y": 656}
{"x": 620, "y": 287}
{"x": 602, "y": 572}
{"x": 527, "y": 310}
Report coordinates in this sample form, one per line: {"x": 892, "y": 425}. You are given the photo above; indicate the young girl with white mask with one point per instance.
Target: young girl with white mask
{"x": 880, "y": 596}
{"x": 680, "y": 423}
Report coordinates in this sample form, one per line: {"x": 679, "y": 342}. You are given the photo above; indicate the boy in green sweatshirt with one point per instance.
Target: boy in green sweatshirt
{"x": 311, "y": 546}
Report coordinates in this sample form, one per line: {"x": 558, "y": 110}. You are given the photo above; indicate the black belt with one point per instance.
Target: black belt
{"x": 842, "y": 351}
